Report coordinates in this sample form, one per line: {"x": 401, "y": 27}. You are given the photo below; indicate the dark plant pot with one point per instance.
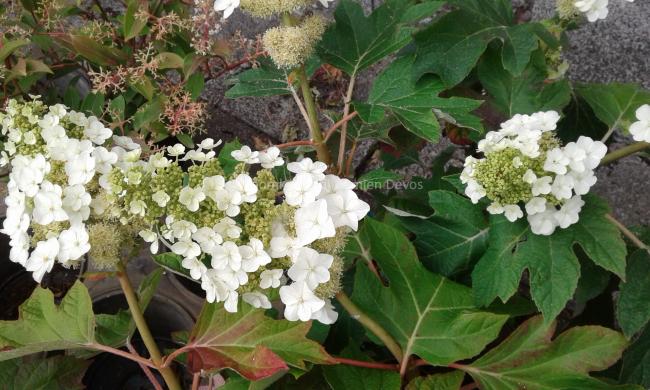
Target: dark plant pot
{"x": 16, "y": 284}
{"x": 190, "y": 285}
{"x": 108, "y": 372}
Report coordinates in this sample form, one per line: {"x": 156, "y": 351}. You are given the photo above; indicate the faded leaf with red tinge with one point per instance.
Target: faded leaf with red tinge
{"x": 250, "y": 343}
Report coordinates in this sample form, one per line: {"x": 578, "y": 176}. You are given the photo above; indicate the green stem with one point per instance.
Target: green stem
{"x": 316, "y": 134}
{"x": 136, "y": 312}
{"x": 624, "y": 151}
{"x": 310, "y": 105}
{"x": 344, "y": 128}
{"x": 628, "y": 233}
{"x": 371, "y": 325}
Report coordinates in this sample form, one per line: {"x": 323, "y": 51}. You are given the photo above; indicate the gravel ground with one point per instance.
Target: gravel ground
{"x": 616, "y": 49}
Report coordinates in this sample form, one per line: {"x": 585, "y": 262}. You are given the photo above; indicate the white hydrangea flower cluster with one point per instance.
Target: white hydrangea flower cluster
{"x": 232, "y": 234}
{"x": 594, "y": 10}
{"x": 235, "y": 233}
{"x": 640, "y": 129}
{"x": 525, "y": 168}
{"x": 56, "y": 156}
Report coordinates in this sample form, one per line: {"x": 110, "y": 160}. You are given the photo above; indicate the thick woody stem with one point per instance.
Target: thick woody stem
{"x": 138, "y": 317}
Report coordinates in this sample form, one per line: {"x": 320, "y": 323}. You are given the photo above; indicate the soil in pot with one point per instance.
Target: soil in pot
{"x": 110, "y": 372}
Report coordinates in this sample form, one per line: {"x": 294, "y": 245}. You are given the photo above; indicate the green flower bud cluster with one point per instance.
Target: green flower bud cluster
{"x": 291, "y": 46}
{"x": 170, "y": 181}
{"x": 111, "y": 241}
{"x": 209, "y": 168}
{"x": 567, "y": 10}
{"x": 267, "y": 186}
{"x": 57, "y": 173}
{"x": 502, "y": 177}
{"x": 105, "y": 244}
{"x": 501, "y": 174}
{"x": 268, "y": 8}
{"x": 24, "y": 119}
{"x": 330, "y": 288}
{"x": 43, "y": 232}
{"x": 332, "y": 245}
{"x": 258, "y": 220}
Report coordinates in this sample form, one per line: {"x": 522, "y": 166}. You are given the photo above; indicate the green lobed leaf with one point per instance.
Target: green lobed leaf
{"x": 448, "y": 381}
{"x": 265, "y": 80}
{"x": 53, "y": 373}
{"x": 395, "y": 91}
{"x": 421, "y": 10}
{"x": 44, "y": 326}
{"x": 615, "y": 103}
{"x": 227, "y": 161}
{"x": 451, "y": 46}
{"x": 239, "y": 383}
{"x": 427, "y": 314}
{"x": 553, "y": 266}
{"x": 376, "y": 179}
{"x": 172, "y": 262}
{"x": 112, "y": 329}
{"x": 633, "y": 309}
{"x": 636, "y": 361}
{"x": 343, "y": 377}
{"x": 529, "y": 359}
{"x": 579, "y": 119}
{"x": 355, "y": 41}
{"x": 525, "y": 93}
{"x": 454, "y": 237}
{"x": 250, "y": 343}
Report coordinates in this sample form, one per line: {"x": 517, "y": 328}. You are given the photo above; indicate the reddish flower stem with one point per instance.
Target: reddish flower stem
{"x": 345, "y": 119}
{"x": 295, "y": 143}
{"x": 360, "y": 363}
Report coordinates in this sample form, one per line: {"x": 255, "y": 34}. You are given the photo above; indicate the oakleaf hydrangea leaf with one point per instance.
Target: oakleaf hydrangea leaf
{"x": 615, "y": 103}
{"x": 452, "y": 45}
{"x": 343, "y": 377}
{"x": 529, "y": 359}
{"x": 355, "y": 41}
{"x": 376, "y": 179}
{"x": 553, "y": 266}
{"x": 250, "y": 343}
{"x": 44, "y": 326}
{"x": 265, "y": 80}
{"x": 448, "y": 381}
{"x": 633, "y": 310}
{"x": 454, "y": 237}
{"x": 636, "y": 361}
{"x": 53, "y": 373}
{"x": 412, "y": 103}
{"x": 427, "y": 314}
{"x": 525, "y": 93}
